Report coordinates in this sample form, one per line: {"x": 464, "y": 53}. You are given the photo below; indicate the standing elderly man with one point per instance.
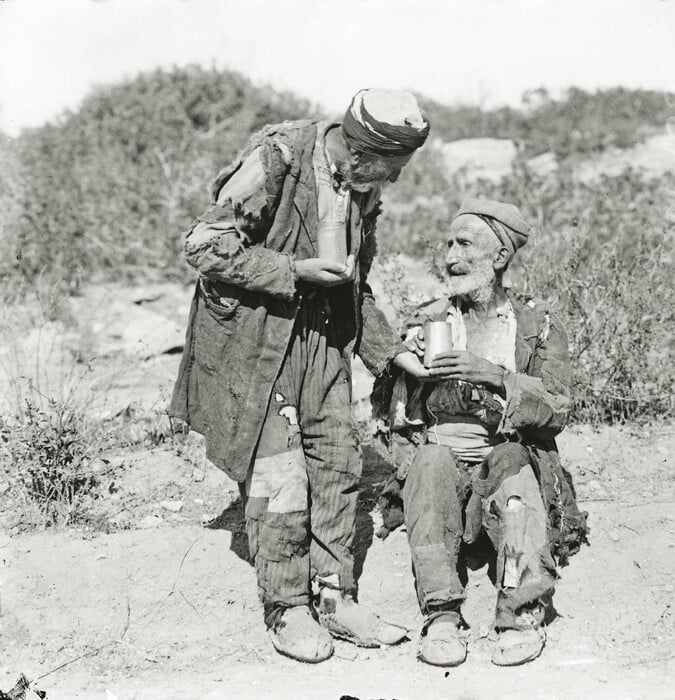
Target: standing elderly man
{"x": 265, "y": 375}
{"x": 473, "y": 442}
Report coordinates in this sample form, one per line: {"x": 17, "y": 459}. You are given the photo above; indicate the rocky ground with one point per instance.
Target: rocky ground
{"x": 153, "y": 596}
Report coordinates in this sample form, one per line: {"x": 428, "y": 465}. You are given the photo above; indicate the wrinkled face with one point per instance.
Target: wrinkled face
{"x": 365, "y": 171}
{"x": 473, "y": 256}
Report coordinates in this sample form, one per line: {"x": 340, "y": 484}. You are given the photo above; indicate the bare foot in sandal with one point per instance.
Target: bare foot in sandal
{"x": 296, "y": 634}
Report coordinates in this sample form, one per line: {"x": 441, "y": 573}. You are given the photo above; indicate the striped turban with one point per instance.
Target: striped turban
{"x": 385, "y": 123}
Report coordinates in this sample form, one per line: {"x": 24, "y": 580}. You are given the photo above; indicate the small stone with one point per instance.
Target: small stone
{"x": 149, "y": 522}
{"x": 647, "y": 494}
{"x": 197, "y": 475}
{"x": 613, "y": 535}
{"x": 199, "y": 502}
{"x": 206, "y": 519}
{"x": 172, "y": 506}
{"x": 589, "y": 449}
{"x": 97, "y": 466}
{"x": 4, "y": 487}
{"x": 121, "y": 520}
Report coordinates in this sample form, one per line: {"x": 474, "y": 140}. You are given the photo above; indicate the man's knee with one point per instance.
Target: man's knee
{"x": 508, "y": 455}
{"x": 434, "y": 467}
{"x": 505, "y": 460}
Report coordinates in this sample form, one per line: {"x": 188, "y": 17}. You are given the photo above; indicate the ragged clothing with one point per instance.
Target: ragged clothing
{"x": 533, "y": 411}
{"x": 448, "y": 507}
{"x": 301, "y": 492}
{"x": 265, "y": 216}
{"x": 463, "y": 416}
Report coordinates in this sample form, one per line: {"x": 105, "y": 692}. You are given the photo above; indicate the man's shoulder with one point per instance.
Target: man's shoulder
{"x": 534, "y": 315}
{"x": 288, "y": 132}
{"x": 277, "y": 146}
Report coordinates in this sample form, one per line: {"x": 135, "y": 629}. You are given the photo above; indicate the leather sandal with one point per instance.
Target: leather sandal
{"x": 345, "y": 619}
{"x": 296, "y": 634}
{"x": 515, "y": 647}
{"x": 442, "y": 642}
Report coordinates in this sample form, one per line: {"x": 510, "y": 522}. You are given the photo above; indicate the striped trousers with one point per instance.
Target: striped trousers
{"x": 301, "y": 490}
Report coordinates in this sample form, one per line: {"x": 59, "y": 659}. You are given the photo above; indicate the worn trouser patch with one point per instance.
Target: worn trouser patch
{"x": 432, "y": 506}
{"x": 304, "y": 478}
{"x": 439, "y": 515}
{"x": 282, "y": 479}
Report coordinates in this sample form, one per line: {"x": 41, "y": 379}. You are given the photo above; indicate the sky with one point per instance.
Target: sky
{"x": 484, "y": 52}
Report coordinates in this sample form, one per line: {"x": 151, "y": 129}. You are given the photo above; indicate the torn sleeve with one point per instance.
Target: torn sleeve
{"x": 539, "y": 402}
{"x": 224, "y": 244}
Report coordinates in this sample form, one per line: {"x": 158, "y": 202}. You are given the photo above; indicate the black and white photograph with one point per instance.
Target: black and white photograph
{"x": 337, "y": 350}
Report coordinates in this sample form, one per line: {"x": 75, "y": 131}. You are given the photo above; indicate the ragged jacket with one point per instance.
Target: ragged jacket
{"x": 537, "y": 401}
{"x": 246, "y": 299}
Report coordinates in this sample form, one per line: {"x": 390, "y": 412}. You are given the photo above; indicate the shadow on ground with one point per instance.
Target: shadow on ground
{"x": 375, "y": 474}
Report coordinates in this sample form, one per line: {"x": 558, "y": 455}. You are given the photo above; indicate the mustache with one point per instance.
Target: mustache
{"x": 457, "y": 269}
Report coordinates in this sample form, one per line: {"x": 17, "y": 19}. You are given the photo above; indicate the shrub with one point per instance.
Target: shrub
{"x": 50, "y": 451}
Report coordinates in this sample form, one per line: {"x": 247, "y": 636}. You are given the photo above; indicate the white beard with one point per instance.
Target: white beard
{"x": 477, "y": 285}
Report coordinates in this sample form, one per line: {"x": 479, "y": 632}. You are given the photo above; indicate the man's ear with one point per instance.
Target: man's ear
{"x": 501, "y": 258}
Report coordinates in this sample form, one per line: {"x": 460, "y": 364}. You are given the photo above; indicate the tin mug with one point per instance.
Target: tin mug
{"x": 332, "y": 241}
{"x": 437, "y": 340}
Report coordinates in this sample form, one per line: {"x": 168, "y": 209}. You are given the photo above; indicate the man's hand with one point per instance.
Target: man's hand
{"x": 410, "y": 363}
{"x": 463, "y": 365}
{"x": 323, "y": 272}
{"x": 415, "y": 343}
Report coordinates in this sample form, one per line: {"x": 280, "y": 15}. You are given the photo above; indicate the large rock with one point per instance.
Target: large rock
{"x": 653, "y": 158}
{"x": 489, "y": 159}
{"x": 137, "y": 332}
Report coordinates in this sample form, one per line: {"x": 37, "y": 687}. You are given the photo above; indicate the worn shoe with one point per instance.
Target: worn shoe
{"x": 345, "y": 619}
{"x": 296, "y": 634}
{"x": 515, "y": 647}
{"x": 442, "y": 642}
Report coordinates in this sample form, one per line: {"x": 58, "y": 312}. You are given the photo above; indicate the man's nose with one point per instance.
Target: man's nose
{"x": 452, "y": 258}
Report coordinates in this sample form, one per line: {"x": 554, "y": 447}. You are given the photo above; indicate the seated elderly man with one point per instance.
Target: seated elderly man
{"x": 473, "y": 443}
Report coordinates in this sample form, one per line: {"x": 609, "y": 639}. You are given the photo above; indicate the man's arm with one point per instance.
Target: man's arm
{"x": 379, "y": 343}
{"x": 221, "y": 245}
{"x": 539, "y": 402}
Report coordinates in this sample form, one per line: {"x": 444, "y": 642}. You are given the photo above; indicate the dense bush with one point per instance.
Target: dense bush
{"x": 109, "y": 187}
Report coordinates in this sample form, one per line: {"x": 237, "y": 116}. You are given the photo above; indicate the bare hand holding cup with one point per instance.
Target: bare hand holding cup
{"x": 324, "y": 272}
{"x": 467, "y": 367}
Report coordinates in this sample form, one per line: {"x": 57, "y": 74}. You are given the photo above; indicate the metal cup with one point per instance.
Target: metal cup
{"x": 332, "y": 241}
{"x": 437, "y": 340}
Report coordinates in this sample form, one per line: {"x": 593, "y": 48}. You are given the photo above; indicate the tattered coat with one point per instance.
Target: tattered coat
{"x": 246, "y": 298}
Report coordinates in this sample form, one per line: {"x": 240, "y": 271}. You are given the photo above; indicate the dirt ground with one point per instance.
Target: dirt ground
{"x": 168, "y": 608}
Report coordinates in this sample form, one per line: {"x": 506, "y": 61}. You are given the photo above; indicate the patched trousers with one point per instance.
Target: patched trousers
{"x": 447, "y": 508}
{"x": 301, "y": 490}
